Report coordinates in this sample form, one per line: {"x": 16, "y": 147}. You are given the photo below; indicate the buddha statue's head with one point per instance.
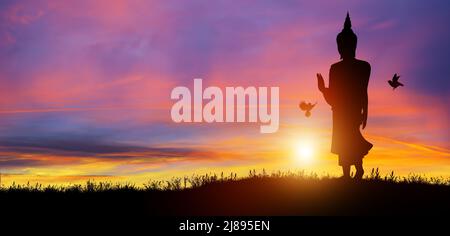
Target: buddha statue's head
{"x": 347, "y": 40}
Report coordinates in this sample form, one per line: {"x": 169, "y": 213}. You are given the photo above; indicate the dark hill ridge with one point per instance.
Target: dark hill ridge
{"x": 255, "y": 195}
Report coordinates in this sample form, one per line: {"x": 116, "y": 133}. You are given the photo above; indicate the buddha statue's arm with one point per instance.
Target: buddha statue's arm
{"x": 365, "y": 102}
{"x": 325, "y": 91}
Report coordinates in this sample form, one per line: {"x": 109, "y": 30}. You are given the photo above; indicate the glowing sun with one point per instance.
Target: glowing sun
{"x": 304, "y": 152}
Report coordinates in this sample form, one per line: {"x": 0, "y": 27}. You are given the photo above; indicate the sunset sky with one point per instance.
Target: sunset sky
{"x": 85, "y": 86}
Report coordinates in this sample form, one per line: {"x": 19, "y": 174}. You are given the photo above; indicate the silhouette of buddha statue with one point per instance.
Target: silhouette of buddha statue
{"x": 347, "y": 96}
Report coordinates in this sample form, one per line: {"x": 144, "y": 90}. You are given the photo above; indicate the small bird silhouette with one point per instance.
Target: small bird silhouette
{"x": 394, "y": 82}
{"x": 307, "y": 107}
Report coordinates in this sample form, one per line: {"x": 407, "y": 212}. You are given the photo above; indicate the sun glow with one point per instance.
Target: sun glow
{"x": 304, "y": 152}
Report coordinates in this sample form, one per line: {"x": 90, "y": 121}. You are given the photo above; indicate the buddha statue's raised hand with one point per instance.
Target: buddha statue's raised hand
{"x": 320, "y": 82}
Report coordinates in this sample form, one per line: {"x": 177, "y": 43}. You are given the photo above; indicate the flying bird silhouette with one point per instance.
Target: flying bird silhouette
{"x": 394, "y": 82}
{"x": 307, "y": 107}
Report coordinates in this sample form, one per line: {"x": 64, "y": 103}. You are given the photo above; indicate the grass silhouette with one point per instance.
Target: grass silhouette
{"x": 260, "y": 193}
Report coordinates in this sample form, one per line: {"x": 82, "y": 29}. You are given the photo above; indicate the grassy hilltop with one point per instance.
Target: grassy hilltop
{"x": 280, "y": 193}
